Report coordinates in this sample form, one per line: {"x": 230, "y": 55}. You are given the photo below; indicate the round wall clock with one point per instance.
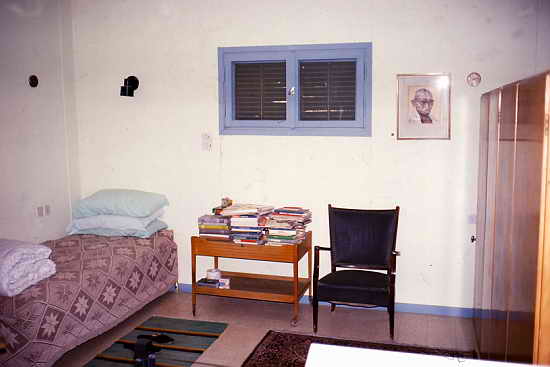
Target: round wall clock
{"x": 473, "y": 79}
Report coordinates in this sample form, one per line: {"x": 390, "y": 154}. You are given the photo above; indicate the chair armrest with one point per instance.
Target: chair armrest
{"x": 393, "y": 262}
{"x": 316, "y": 262}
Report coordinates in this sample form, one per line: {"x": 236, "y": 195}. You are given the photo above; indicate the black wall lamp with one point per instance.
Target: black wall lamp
{"x": 130, "y": 85}
{"x": 33, "y": 81}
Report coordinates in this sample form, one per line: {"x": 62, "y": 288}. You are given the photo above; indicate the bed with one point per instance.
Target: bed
{"x": 100, "y": 281}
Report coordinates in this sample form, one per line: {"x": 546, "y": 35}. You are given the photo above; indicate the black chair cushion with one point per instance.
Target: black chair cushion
{"x": 354, "y": 286}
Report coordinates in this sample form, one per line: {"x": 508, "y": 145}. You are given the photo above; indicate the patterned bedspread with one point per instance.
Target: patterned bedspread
{"x": 100, "y": 281}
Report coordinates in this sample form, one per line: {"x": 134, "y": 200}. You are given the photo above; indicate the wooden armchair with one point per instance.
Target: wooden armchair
{"x": 363, "y": 241}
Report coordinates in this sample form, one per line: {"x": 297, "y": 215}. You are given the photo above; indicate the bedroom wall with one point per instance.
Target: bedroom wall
{"x": 153, "y": 141}
{"x": 36, "y": 124}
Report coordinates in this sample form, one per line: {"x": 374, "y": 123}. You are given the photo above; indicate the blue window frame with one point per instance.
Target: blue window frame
{"x": 316, "y": 90}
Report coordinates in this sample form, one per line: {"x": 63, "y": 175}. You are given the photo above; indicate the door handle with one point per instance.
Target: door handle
{"x": 473, "y": 239}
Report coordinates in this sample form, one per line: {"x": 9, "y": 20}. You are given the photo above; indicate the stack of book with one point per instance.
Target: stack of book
{"x": 248, "y": 222}
{"x": 287, "y": 225}
{"x": 215, "y": 227}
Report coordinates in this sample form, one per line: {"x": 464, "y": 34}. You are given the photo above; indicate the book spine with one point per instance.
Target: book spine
{"x": 247, "y": 229}
{"x": 271, "y": 237}
{"x": 214, "y": 231}
{"x": 243, "y": 222}
{"x": 291, "y": 208}
{"x": 247, "y": 234}
{"x": 277, "y": 240}
{"x": 213, "y": 226}
{"x": 248, "y": 242}
{"x": 287, "y": 214}
{"x": 213, "y": 219}
{"x": 300, "y": 212}
{"x": 281, "y": 232}
{"x": 241, "y": 237}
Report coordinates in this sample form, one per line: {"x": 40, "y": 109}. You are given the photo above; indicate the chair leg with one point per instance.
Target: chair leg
{"x": 332, "y": 307}
{"x": 391, "y": 311}
{"x": 315, "y": 305}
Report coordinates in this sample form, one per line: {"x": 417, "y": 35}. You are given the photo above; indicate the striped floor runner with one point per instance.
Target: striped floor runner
{"x": 191, "y": 339}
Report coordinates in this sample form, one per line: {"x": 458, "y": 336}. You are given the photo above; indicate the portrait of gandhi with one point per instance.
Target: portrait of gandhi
{"x": 423, "y": 102}
{"x": 423, "y": 107}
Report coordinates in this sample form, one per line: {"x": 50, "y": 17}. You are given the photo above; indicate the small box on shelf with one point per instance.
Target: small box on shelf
{"x": 212, "y": 283}
{"x": 224, "y": 283}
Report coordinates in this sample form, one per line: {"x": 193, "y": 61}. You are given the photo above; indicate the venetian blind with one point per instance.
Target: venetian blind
{"x": 327, "y": 90}
{"x": 260, "y": 91}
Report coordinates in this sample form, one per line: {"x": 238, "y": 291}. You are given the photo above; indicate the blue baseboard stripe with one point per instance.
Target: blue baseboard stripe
{"x": 399, "y": 307}
{"x": 184, "y": 287}
{"x": 434, "y": 310}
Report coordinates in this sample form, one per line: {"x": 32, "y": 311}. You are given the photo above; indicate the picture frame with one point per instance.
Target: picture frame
{"x": 424, "y": 106}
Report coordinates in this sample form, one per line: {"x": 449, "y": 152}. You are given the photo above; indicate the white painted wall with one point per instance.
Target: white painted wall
{"x": 34, "y": 148}
{"x": 152, "y": 141}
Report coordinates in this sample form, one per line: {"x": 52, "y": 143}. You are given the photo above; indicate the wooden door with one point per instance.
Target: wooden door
{"x": 486, "y": 220}
{"x": 479, "y": 273}
{"x": 504, "y": 206}
{"x": 526, "y": 217}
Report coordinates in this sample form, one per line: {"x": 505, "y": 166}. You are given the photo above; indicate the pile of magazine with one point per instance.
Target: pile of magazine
{"x": 287, "y": 225}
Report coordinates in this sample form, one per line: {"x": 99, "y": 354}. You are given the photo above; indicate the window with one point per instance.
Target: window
{"x": 296, "y": 90}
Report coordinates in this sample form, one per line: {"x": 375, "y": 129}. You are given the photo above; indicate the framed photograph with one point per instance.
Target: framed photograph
{"x": 423, "y": 106}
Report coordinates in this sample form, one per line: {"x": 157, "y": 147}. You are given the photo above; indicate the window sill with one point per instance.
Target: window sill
{"x": 299, "y": 131}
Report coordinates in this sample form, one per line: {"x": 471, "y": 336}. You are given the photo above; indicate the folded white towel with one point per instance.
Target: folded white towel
{"x": 22, "y": 264}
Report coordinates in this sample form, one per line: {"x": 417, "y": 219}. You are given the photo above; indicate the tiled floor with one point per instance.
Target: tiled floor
{"x": 248, "y": 321}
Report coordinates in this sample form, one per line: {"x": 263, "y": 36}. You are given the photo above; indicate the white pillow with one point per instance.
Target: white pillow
{"x": 153, "y": 227}
{"x": 133, "y": 203}
{"x": 118, "y": 222}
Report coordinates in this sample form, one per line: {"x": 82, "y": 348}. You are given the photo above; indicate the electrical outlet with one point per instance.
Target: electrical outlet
{"x": 46, "y": 210}
{"x": 206, "y": 142}
{"x": 40, "y": 211}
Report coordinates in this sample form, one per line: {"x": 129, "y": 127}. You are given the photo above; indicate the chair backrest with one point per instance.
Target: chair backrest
{"x": 362, "y": 238}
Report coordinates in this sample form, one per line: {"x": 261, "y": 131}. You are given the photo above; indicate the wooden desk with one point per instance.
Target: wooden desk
{"x": 287, "y": 289}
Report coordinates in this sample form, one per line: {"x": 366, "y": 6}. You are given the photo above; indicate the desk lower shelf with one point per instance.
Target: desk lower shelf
{"x": 259, "y": 287}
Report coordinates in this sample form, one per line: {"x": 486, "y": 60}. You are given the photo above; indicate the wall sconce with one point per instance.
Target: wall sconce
{"x": 33, "y": 81}
{"x": 130, "y": 85}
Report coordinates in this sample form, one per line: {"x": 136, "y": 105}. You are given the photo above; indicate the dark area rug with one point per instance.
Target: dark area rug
{"x": 191, "y": 339}
{"x": 285, "y": 349}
